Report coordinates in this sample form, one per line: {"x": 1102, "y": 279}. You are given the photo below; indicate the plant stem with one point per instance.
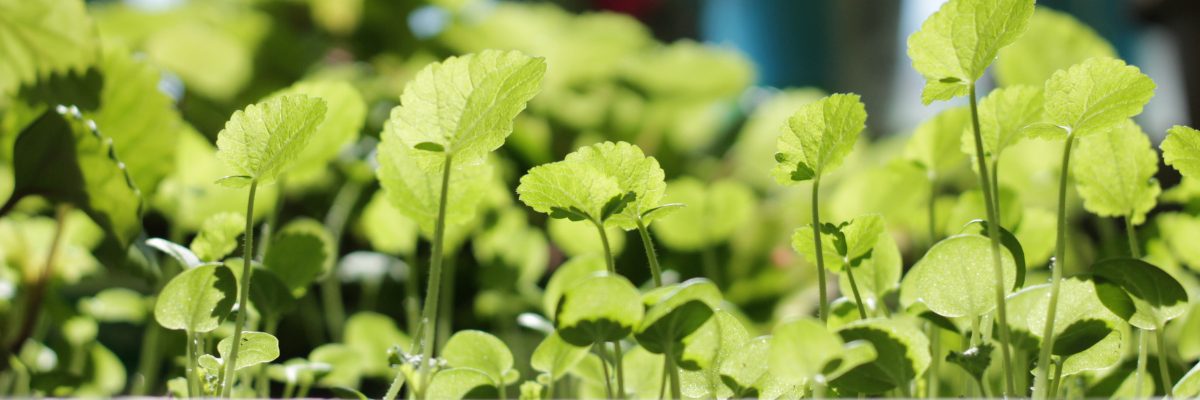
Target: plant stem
{"x": 446, "y": 304}
{"x": 816, "y": 224}
{"x": 608, "y": 258}
{"x": 193, "y": 384}
{"x": 991, "y": 202}
{"x": 394, "y": 389}
{"x": 263, "y": 386}
{"x": 412, "y": 300}
{"x": 862, "y": 311}
{"x": 1133, "y": 241}
{"x": 550, "y": 388}
{"x": 429, "y": 315}
{"x": 935, "y": 340}
{"x": 335, "y": 222}
{"x": 676, "y": 393}
{"x": 1057, "y": 377}
{"x": 599, "y": 347}
{"x": 617, "y": 360}
{"x": 150, "y": 360}
{"x": 1143, "y": 343}
{"x": 244, "y": 296}
{"x": 1163, "y": 372}
{"x": 1056, "y": 270}
{"x": 655, "y": 271}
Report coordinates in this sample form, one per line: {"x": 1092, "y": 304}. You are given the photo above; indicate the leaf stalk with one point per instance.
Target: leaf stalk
{"x": 655, "y": 270}
{"x": 1040, "y": 390}
{"x": 816, "y": 224}
{"x": 243, "y": 296}
{"x": 429, "y": 315}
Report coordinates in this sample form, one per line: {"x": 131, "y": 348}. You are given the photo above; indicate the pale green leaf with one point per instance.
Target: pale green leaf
{"x": 934, "y": 144}
{"x": 746, "y": 375}
{"x": 344, "y": 119}
{"x": 676, "y": 315}
{"x": 106, "y": 377}
{"x": 1114, "y": 173}
{"x": 209, "y": 362}
{"x": 1055, "y": 40}
{"x": 569, "y": 185}
{"x": 39, "y": 38}
{"x": 1081, "y": 320}
{"x": 879, "y": 274}
{"x": 956, "y": 44}
{"x": 263, "y": 140}
{"x": 479, "y": 350}
{"x": 1002, "y": 115}
{"x": 688, "y": 71}
{"x": 461, "y": 383}
{"x": 371, "y": 335}
{"x": 197, "y": 300}
{"x": 256, "y": 348}
{"x": 843, "y": 244}
{"x": 902, "y": 354}
{"x": 211, "y": 61}
{"x": 465, "y": 104}
{"x": 580, "y": 238}
{"x": 805, "y": 349}
{"x": 598, "y": 309}
{"x": 957, "y": 276}
{"x": 1181, "y": 150}
{"x": 300, "y": 253}
{"x": 819, "y": 135}
{"x": 712, "y": 346}
{"x": 555, "y": 356}
{"x": 1189, "y": 385}
{"x": 634, "y": 172}
{"x": 115, "y": 305}
{"x": 388, "y": 230}
{"x": 218, "y": 236}
{"x": 346, "y": 365}
{"x": 643, "y": 373}
{"x": 1181, "y": 232}
{"x": 1093, "y": 97}
{"x": 1104, "y": 354}
{"x": 713, "y": 213}
{"x": 566, "y": 276}
{"x": 417, "y": 193}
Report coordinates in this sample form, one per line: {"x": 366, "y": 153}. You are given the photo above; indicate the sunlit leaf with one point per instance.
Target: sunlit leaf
{"x": 256, "y": 348}
{"x": 1115, "y": 173}
{"x": 571, "y": 273}
{"x": 957, "y": 276}
{"x": 264, "y": 140}
{"x": 1181, "y": 149}
{"x": 842, "y": 244}
{"x": 343, "y": 121}
{"x": 902, "y": 354}
{"x": 555, "y": 356}
{"x": 481, "y": 351}
{"x": 371, "y": 335}
{"x": 197, "y": 300}
{"x": 818, "y": 136}
{"x": 388, "y": 230}
{"x": 1153, "y": 296}
{"x": 1002, "y": 114}
{"x": 346, "y": 365}
{"x": 417, "y": 193}
{"x": 1092, "y": 97}
{"x": 634, "y": 172}
{"x": 1081, "y": 320}
{"x": 461, "y": 383}
{"x": 935, "y": 143}
{"x": 598, "y": 309}
{"x": 218, "y": 236}
{"x": 712, "y": 215}
{"x": 43, "y": 37}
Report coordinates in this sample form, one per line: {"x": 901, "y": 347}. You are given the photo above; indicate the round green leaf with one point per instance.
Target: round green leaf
{"x": 746, "y": 375}
{"x": 1008, "y": 240}
{"x": 371, "y": 335}
{"x": 555, "y": 356}
{"x": 197, "y": 300}
{"x": 677, "y": 314}
{"x": 603, "y": 308}
{"x": 1080, "y": 320}
{"x": 705, "y": 353}
{"x": 345, "y": 362}
{"x": 256, "y": 348}
{"x": 301, "y": 252}
{"x": 1156, "y": 296}
{"x": 270, "y": 295}
{"x": 957, "y": 277}
{"x": 713, "y": 213}
{"x": 902, "y": 354}
{"x": 462, "y": 383}
{"x": 481, "y": 351}
{"x": 569, "y": 274}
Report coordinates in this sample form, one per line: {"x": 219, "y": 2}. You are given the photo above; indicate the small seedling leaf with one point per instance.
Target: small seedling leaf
{"x": 819, "y": 135}
{"x": 481, "y": 351}
{"x": 256, "y": 348}
{"x": 197, "y": 300}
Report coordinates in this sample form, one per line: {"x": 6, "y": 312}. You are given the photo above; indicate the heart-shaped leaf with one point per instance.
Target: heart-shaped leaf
{"x": 197, "y": 300}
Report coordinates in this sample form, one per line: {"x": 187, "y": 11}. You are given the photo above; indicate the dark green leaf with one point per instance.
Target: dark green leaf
{"x": 1156, "y": 296}
{"x": 974, "y": 360}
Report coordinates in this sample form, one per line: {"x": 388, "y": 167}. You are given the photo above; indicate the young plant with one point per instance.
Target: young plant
{"x": 1087, "y": 328}
{"x": 196, "y": 301}
{"x": 259, "y": 144}
{"x": 812, "y": 143}
{"x": 714, "y": 213}
{"x": 484, "y": 352}
{"x": 952, "y": 51}
{"x": 674, "y": 314}
{"x": 1090, "y": 98}
{"x": 804, "y": 349}
{"x": 598, "y": 310}
{"x": 850, "y": 243}
{"x": 554, "y": 357}
{"x": 443, "y": 131}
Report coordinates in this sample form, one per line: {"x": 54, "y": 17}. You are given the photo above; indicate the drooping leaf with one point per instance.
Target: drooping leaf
{"x": 417, "y": 193}
{"x": 371, "y": 335}
{"x": 344, "y": 119}
{"x": 571, "y": 273}
{"x": 264, "y": 140}
{"x": 481, "y": 351}
{"x": 569, "y": 189}
{"x": 842, "y": 244}
{"x": 1115, "y": 171}
{"x": 1081, "y": 319}
{"x": 197, "y": 300}
{"x": 43, "y": 37}
{"x": 1181, "y": 150}
{"x": 1092, "y": 97}
{"x": 902, "y": 354}
{"x": 878, "y": 275}
{"x": 957, "y": 276}
{"x": 300, "y": 253}
{"x": 634, "y": 172}
{"x": 554, "y": 356}
{"x": 465, "y": 104}
{"x": 1055, "y": 40}
{"x": 461, "y": 383}
{"x": 65, "y": 158}
{"x": 956, "y": 44}
{"x": 603, "y": 308}
{"x": 256, "y": 348}
{"x": 1002, "y": 114}
{"x": 183, "y": 255}
{"x": 218, "y": 236}
{"x": 1153, "y": 296}
{"x": 934, "y": 144}
{"x": 712, "y": 215}
{"x": 819, "y": 135}
{"x": 388, "y": 230}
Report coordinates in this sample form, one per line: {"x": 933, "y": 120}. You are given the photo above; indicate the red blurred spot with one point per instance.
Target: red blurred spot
{"x": 636, "y": 8}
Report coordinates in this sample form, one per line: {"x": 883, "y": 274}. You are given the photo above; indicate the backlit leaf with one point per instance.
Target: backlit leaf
{"x": 264, "y": 140}
{"x": 1156, "y": 297}
{"x": 371, "y": 335}
{"x": 678, "y": 314}
{"x": 568, "y": 189}
{"x": 1092, "y": 97}
{"x": 819, "y": 135}
{"x": 197, "y": 300}
{"x": 1081, "y": 319}
{"x": 43, "y": 37}
{"x": 712, "y": 215}
{"x": 555, "y": 356}
{"x": 878, "y": 275}
{"x": 934, "y": 144}
{"x": 344, "y": 119}
{"x": 256, "y": 348}
{"x": 388, "y": 230}
{"x": 479, "y": 350}
{"x": 902, "y": 354}
{"x": 843, "y": 244}
{"x": 602, "y": 308}
{"x": 218, "y": 236}
{"x": 461, "y": 383}
{"x": 957, "y": 278}
{"x": 1002, "y": 114}
{"x": 417, "y": 193}
{"x": 566, "y": 276}
{"x": 1115, "y": 173}
{"x": 1181, "y": 149}
{"x": 634, "y": 172}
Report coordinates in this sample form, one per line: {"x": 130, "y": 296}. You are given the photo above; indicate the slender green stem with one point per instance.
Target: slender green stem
{"x": 1134, "y": 249}
{"x": 193, "y": 383}
{"x": 676, "y": 393}
{"x": 862, "y": 311}
{"x": 1139, "y": 377}
{"x": 335, "y": 312}
{"x": 412, "y": 299}
{"x": 446, "y": 304}
{"x": 608, "y": 258}
{"x": 818, "y": 389}
{"x": 933, "y": 236}
{"x": 394, "y": 389}
{"x": 935, "y": 340}
{"x": 550, "y": 388}
{"x": 304, "y": 386}
{"x": 655, "y": 271}
{"x": 244, "y": 296}
{"x": 1164, "y": 373}
{"x": 617, "y": 361}
{"x": 289, "y": 390}
{"x": 991, "y": 202}
{"x": 1057, "y": 377}
{"x": 599, "y": 347}
{"x": 150, "y": 360}
{"x": 1056, "y": 271}
{"x": 263, "y": 386}
{"x": 816, "y": 224}
{"x": 331, "y": 290}
{"x": 429, "y": 315}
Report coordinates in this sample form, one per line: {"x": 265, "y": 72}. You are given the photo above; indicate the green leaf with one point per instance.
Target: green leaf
{"x": 805, "y": 349}
{"x": 387, "y": 230}
{"x": 554, "y": 356}
{"x": 566, "y": 276}
{"x": 210, "y": 61}
{"x": 842, "y": 245}
{"x": 879, "y": 274}
{"x": 634, "y": 172}
{"x": 598, "y": 309}
{"x": 1020, "y": 309}
{"x": 713, "y": 214}
{"x": 104, "y": 375}
{"x": 1115, "y": 172}
{"x": 1181, "y": 149}
{"x": 183, "y": 255}
{"x": 1092, "y": 97}
{"x": 568, "y": 185}
{"x": 461, "y": 383}
{"x": 197, "y": 300}
{"x": 902, "y": 355}
{"x": 1055, "y": 40}
{"x": 819, "y": 135}
{"x": 345, "y": 364}
{"x": 1156, "y": 297}
{"x": 676, "y": 315}
{"x": 371, "y": 335}
{"x": 209, "y": 362}
{"x": 465, "y": 104}
{"x": 643, "y": 373}
{"x": 342, "y": 392}
{"x": 970, "y": 207}
{"x": 710, "y": 347}
{"x": 746, "y": 375}
{"x": 417, "y": 193}
{"x": 1081, "y": 319}
{"x": 1104, "y": 354}
{"x": 343, "y": 120}
{"x": 256, "y": 348}
{"x": 1009, "y": 241}
{"x": 934, "y": 144}
{"x": 270, "y": 295}
{"x": 974, "y": 360}
{"x": 64, "y": 158}
{"x": 1002, "y": 114}
{"x": 301, "y": 252}
{"x": 115, "y": 305}
{"x": 957, "y": 277}
{"x": 956, "y": 44}
{"x": 1189, "y": 342}
{"x": 43, "y": 37}
{"x": 218, "y": 236}
{"x": 481, "y": 351}
{"x": 264, "y": 140}
{"x": 1189, "y": 385}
